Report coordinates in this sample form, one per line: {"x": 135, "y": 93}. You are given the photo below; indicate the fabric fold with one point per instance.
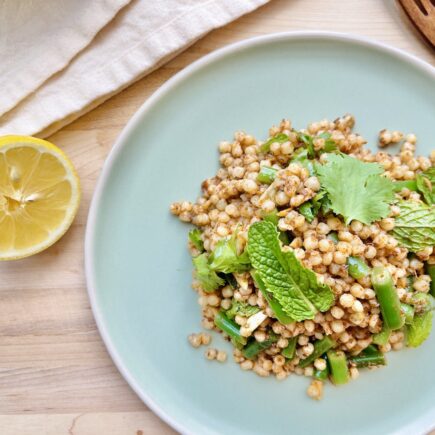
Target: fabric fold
{"x": 141, "y": 37}
{"x": 38, "y": 38}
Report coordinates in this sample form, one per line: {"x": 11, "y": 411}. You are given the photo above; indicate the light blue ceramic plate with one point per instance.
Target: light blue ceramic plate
{"x": 138, "y": 268}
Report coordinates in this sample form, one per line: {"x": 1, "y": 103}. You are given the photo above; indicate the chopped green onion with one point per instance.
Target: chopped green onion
{"x": 229, "y": 327}
{"x": 290, "y": 351}
{"x": 255, "y": 347}
{"x": 369, "y": 357}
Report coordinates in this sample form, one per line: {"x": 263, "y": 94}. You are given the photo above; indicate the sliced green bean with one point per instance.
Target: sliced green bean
{"x": 255, "y": 347}
{"x": 229, "y": 327}
{"x": 338, "y": 367}
{"x": 273, "y": 304}
{"x": 320, "y": 347}
{"x": 267, "y": 174}
{"x": 357, "y": 267}
{"x": 321, "y": 375}
{"x": 369, "y": 357}
{"x": 382, "y": 337}
{"x": 290, "y": 351}
{"x": 387, "y": 298}
{"x": 408, "y": 311}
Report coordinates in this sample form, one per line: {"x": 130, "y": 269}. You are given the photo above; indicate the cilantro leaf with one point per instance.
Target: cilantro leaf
{"x": 242, "y": 309}
{"x": 307, "y": 211}
{"x": 330, "y": 144}
{"x": 356, "y": 190}
{"x": 426, "y": 185}
{"x": 195, "y": 238}
{"x": 209, "y": 279}
{"x": 293, "y": 286}
{"x": 414, "y": 228}
{"x": 225, "y": 259}
{"x": 419, "y": 330}
{"x": 308, "y": 141}
{"x": 329, "y": 147}
{"x": 280, "y": 138}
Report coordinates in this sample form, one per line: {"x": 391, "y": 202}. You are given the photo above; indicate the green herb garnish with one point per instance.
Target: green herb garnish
{"x": 426, "y": 185}
{"x": 225, "y": 259}
{"x": 356, "y": 189}
{"x": 209, "y": 279}
{"x": 242, "y": 309}
{"x": 294, "y": 287}
{"x": 415, "y": 226}
{"x": 279, "y": 138}
{"x": 195, "y": 238}
{"x": 419, "y": 330}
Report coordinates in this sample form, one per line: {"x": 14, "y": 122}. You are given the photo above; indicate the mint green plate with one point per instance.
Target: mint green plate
{"x": 138, "y": 268}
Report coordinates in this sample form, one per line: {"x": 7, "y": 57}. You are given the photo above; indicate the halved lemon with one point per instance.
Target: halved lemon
{"x": 39, "y": 195}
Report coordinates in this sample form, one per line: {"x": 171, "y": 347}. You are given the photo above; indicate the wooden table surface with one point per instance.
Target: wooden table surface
{"x": 55, "y": 374}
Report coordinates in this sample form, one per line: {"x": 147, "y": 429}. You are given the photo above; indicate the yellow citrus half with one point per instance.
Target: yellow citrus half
{"x": 39, "y": 195}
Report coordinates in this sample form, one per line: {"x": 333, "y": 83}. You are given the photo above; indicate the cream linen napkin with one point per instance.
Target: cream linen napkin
{"x": 39, "y": 37}
{"x": 142, "y": 36}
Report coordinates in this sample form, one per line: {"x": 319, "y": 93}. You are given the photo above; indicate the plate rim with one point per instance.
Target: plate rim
{"x": 424, "y": 422}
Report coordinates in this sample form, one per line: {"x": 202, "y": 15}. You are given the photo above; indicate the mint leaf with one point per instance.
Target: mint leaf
{"x": 319, "y": 294}
{"x": 280, "y": 138}
{"x": 225, "y": 259}
{"x": 414, "y": 228}
{"x": 195, "y": 238}
{"x": 419, "y": 330}
{"x": 294, "y": 287}
{"x": 209, "y": 279}
{"x": 426, "y": 185}
{"x": 356, "y": 190}
{"x": 242, "y": 309}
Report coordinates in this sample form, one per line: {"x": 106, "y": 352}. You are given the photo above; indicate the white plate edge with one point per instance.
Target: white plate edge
{"x": 423, "y": 424}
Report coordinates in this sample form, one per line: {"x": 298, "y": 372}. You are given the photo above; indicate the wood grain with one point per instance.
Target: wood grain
{"x": 55, "y": 374}
{"x": 422, "y": 14}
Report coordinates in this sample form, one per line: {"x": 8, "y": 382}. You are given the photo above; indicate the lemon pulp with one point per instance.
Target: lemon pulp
{"x": 39, "y": 195}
